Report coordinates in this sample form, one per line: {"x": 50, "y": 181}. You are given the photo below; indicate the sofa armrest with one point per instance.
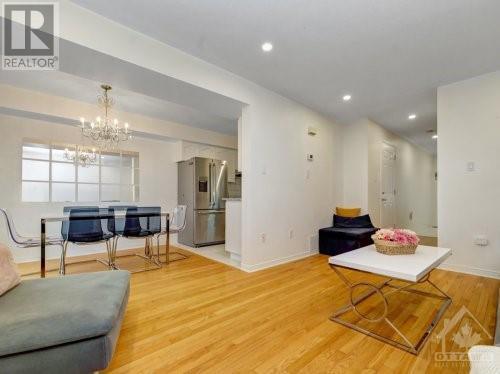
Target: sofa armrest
{"x": 484, "y": 359}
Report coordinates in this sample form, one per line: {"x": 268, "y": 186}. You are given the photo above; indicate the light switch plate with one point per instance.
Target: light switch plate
{"x": 481, "y": 241}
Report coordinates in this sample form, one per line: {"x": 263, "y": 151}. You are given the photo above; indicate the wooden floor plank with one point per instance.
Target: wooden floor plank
{"x": 199, "y": 316}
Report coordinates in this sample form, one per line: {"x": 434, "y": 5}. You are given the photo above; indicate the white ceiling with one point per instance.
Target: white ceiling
{"x": 61, "y": 84}
{"x": 391, "y": 55}
{"x": 135, "y": 89}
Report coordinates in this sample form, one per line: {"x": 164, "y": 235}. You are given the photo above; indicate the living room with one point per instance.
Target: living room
{"x": 303, "y": 123}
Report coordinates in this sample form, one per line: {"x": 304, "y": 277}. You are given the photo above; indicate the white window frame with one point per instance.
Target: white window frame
{"x": 135, "y": 185}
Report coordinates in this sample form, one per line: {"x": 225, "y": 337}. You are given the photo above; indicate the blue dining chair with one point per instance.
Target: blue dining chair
{"x": 85, "y": 227}
{"x": 135, "y": 223}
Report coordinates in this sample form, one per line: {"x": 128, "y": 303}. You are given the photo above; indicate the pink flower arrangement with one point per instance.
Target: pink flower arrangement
{"x": 400, "y": 236}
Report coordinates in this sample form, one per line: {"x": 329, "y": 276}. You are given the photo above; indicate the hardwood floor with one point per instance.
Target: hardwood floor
{"x": 200, "y": 316}
{"x": 428, "y": 240}
{"x": 87, "y": 263}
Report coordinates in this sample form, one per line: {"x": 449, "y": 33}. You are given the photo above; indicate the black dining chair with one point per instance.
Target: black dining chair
{"x": 132, "y": 222}
{"x": 85, "y": 227}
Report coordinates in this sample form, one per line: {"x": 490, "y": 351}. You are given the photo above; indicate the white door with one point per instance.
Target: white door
{"x": 388, "y": 186}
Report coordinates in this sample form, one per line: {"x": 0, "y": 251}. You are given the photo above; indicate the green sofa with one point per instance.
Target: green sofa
{"x": 62, "y": 325}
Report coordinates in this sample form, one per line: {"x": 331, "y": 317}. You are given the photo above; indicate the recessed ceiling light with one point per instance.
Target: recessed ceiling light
{"x": 347, "y": 97}
{"x": 434, "y": 136}
{"x": 267, "y": 47}
{"x": 412, "y": 116}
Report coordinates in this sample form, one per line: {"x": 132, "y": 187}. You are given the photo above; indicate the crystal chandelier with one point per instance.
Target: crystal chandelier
{"x": 84, "y": 157}
{"x": 105, "y": 132}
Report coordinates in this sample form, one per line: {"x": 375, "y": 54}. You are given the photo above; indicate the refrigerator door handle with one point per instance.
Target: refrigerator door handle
{"x": 213, "y": 182}
{"x": 210, "y": 183}
{"x": 210, "y": 211}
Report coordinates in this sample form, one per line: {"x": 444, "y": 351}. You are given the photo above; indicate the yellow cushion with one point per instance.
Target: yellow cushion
{"x": 348, "y": 212}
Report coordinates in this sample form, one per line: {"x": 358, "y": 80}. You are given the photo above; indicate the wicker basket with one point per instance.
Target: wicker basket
{"x": 391, "y": 248}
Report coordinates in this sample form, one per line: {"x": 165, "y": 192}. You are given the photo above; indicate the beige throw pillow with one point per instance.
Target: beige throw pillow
{"x": 9, "y": 276}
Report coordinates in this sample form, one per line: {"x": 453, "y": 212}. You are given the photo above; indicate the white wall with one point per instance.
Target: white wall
{"x": 158, "y": 180}
{"x": 273, "y": 147}
{"x": 415, "y": 182}
{"x": 469, "y": 203}
{"x": 277, "y": 196}
{"x": 355, "y": 149}
{"x": 282, "y": 191}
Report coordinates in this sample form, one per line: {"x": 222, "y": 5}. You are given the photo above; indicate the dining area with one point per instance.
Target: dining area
{"x": 102, "y": 228}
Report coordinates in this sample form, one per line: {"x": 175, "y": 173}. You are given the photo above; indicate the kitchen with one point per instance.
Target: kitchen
{"x": 210, "y": 187}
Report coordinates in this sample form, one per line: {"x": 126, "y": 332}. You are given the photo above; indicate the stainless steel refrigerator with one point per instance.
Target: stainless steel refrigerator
{"x": 202, "y": 185}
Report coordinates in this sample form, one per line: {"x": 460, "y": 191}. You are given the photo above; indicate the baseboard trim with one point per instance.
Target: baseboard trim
{"x": 471, "y": 270}
{"x": 275, "y": 262}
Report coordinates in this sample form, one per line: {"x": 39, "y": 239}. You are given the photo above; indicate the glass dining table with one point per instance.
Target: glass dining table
{"x": 101, "y": 216}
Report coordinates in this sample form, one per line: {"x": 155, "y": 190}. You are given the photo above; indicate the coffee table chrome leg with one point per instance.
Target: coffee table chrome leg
{"x": 360, "y": 298}
{"x": 407, "y": 288}
{"x": 377, "y": 289}
{"x": 403, "y": 336}
{"x": 394, "y": 343}
{"x": 433, "y": 323}
{"x": 445, "y": 295}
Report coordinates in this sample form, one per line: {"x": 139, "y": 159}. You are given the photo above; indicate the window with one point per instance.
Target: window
{"x": 48, "y": 177}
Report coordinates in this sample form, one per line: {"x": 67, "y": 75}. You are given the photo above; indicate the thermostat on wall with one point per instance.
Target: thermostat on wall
{"x": 310, "y": 157}
{"x": 312, "y": 131}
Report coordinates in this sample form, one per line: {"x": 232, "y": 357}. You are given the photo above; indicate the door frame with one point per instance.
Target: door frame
{"x": 390, "y": 144}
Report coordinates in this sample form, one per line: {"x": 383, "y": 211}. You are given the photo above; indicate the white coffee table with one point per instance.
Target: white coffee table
{"x": 411, "y": 270}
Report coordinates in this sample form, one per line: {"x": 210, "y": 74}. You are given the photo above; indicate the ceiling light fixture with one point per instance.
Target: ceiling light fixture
{"x": 267, "y": 47}
{"x": 412, "y": 116}
{"x": 434, "y": 136}
{"x": 105, "y": 132}
{"x": 347, "y": 97}
{"x": 82, "y": 155}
